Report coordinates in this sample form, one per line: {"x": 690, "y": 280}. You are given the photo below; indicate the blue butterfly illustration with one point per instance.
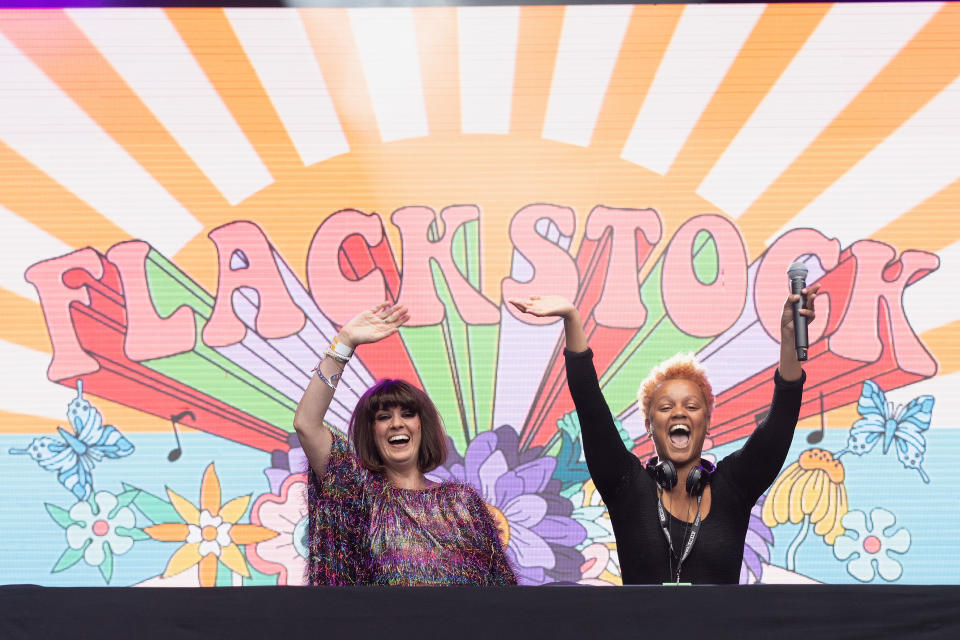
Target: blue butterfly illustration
{"x": 73, "y": 456}
{"x": 902, "y": 426}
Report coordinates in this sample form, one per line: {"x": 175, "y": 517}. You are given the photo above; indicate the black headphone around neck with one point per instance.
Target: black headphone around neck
{"x": 664, "y": 473}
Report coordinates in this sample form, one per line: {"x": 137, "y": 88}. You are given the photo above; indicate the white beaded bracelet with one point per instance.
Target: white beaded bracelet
{"x": 336, "y": 356}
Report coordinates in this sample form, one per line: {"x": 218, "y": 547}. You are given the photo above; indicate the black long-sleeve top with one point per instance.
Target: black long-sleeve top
{"x": 630, "y": 493}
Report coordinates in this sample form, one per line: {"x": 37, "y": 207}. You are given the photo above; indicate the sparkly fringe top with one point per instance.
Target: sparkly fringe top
{"x": 365, "y": 531}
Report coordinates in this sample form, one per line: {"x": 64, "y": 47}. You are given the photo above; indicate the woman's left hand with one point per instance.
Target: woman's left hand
{"x": 790, "y": 366}
{"x": 374, "y": 324}
{"x": 544, "y": 306}
{"x": 787, "y": 332}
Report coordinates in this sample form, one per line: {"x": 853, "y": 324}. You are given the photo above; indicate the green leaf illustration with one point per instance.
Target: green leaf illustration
{"x": 106, "y": 567}
{"x": 60, "y": 515}
{"x": 123, "y": 500}
{"x": 154, "y": 508}
{"x": 69, "y": 558}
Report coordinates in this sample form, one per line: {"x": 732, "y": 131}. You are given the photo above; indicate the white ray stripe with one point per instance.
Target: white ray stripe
{"x": 21, "y": 243}
{"x": 513, "y": 397}
{"x": 632, "y": 421}
{"x": 705, "y": 43}
{"x": 41, "y": 123}
{"x": 487, "y": 45}
{"x": 589, "y": 45}
{"x": 850, "y": 46}
{"x": 146, "y": 50}
{"x": 29, "y": 391}
{"x": 277, "y": 46}
{"x": 930, "y": 302}
{"x": 387, "y": 44}
{"x": 913, "y": 163}
{"x": 946, "y": 407}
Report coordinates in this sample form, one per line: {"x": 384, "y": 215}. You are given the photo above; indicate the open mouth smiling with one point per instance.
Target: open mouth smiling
{"x": 398, "y": 439}
{"x": 679, "y": 435}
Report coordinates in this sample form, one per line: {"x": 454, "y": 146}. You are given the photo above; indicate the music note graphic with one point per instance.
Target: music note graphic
{"x": 816, "y": 436}
{"x": 174, "y": 454}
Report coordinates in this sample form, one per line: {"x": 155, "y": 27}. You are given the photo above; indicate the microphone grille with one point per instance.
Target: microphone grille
{"x": 797, "y": 269}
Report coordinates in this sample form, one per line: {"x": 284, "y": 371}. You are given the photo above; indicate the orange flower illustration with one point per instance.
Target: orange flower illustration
{"x": 210, "y": 533}
{"x": 810, "y": 491}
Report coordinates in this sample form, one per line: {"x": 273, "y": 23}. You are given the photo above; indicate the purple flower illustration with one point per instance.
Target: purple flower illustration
{"x": 285, "y": 463}
{"x": 540, "y": 534}
{"x": 756, "y": 547}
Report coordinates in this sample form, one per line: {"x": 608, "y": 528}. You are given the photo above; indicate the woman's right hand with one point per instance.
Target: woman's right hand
{"x": 557, "y": 307}
{"x": 374, "y": 324}
{"x": 543, "y": 306}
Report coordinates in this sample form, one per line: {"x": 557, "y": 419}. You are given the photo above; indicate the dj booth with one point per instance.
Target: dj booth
{"x": 594, "y": 613}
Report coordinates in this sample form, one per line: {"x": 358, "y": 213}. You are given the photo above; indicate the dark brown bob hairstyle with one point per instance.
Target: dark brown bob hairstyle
{"x": 389, "y": 393}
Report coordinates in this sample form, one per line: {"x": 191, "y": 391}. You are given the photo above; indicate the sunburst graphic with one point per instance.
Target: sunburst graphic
{"x": 170, "y": 179}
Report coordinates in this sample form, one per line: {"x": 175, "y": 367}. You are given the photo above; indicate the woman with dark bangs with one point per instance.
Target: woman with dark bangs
{"x": 374, "y": 517}
{"x": 678, "y": 519}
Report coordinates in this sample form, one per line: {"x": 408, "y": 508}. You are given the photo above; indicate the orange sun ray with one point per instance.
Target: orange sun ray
{"x": 38, "y": 198}
{"x": 922, "y": 226}
{"x": 61, "y": 50}
{"x": 331, "y": 35}
{"x": 230, "y": 72}
{"x": 646, "y": 40}
{"x": 913, "y": 77}
{"x": 23, "y": 322}
{"x": 537, "y": 41}
{"x": 778, "y": 35}
{"x": 436, "y": 29}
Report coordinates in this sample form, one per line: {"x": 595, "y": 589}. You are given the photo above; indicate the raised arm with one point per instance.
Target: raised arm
{"x": 607, "y": 458}
{"x": 368, "y": 326}
{"x": 556, "y": 307}
{"x": 790, "y": 367}
{"x": 758, "y": 462}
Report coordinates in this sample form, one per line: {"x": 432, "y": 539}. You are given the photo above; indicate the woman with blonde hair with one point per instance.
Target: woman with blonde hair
{"x": 678, "y": 518}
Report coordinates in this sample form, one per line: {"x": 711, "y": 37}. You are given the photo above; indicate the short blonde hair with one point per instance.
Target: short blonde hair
{"x": 683, "y": 366}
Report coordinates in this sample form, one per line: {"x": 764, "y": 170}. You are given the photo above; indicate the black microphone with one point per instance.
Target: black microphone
{"x": 798, "y": 282}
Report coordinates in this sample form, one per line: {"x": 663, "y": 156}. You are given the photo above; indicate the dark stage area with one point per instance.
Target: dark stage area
{"x": 781, "y": 612}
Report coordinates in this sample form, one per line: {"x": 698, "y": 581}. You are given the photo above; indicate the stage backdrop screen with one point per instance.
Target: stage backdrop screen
{"x": 193, "y": 201}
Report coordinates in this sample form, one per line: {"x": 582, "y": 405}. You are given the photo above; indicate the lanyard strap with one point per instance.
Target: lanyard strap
{"x": 694, "y": 530}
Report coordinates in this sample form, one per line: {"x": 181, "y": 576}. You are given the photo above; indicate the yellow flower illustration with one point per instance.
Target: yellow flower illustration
{"x": 209, "y": 533}
{"x": 810, "y": 491}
